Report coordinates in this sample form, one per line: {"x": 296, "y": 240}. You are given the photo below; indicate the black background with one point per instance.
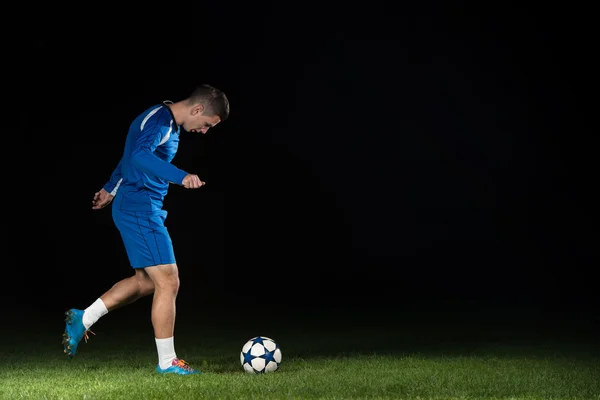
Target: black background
{"x": 381, "y": 156}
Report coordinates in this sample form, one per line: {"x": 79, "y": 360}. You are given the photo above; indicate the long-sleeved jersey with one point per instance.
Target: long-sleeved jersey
{"x": 141, "y": 179}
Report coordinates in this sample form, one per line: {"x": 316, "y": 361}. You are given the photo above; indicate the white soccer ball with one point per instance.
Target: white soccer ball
{"x": 260, "y": 355}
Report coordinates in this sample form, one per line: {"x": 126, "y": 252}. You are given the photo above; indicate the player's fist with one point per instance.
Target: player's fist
{"x": 192, "y": 181}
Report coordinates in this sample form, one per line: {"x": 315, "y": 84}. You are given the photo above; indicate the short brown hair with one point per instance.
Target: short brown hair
{"x": 215, "y": 102}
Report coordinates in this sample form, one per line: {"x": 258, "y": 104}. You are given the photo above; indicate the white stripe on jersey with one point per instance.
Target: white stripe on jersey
{"x": 168, "y": 133}
{"x": 150, "y": 114}
{"x": 114, "y": 191}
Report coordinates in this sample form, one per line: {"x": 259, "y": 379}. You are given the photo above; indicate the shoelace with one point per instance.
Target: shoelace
{"x": 85, "y": 335}
{"x": 184, "y": 364}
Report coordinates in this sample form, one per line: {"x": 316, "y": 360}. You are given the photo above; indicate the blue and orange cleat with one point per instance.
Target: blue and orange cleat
{"x": 74, "y": 331}
{"x": 179, "y": 367}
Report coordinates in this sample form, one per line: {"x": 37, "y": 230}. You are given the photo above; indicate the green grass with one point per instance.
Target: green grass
{"x": 363, "y": 360}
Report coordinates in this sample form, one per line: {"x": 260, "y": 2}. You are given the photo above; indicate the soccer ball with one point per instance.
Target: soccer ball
{"x": 260, "y": 355}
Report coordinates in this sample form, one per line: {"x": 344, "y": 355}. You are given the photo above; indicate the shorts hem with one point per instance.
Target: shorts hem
{"x": 153, "y": 264}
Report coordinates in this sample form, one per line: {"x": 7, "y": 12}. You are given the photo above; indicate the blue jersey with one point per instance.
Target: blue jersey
{"x": 141, "y": 179}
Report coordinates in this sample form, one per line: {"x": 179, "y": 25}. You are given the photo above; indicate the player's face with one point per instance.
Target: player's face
{"x": 200, "y": 123}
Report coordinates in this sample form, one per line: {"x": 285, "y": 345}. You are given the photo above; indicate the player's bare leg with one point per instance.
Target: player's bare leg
{"x": 166, "y": 287}
{"x": 123, "y": 292}
{"x": 128, "y": 290}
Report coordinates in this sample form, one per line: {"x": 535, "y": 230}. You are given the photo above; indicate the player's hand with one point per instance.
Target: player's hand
{"x": 101, "y": 199}
{"x": 192, "y": 181}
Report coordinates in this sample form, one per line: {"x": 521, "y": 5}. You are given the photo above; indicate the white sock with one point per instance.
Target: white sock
{"x": 93, "y": 313}
{"x": 166, "y": 352}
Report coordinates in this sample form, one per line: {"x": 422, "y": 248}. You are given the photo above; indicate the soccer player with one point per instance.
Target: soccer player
{"x": 137, "y": 188}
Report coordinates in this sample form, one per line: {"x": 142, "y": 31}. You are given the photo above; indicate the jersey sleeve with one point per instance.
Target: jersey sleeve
{"x": 143, "y": 158}
{"x": 115, "y": 180}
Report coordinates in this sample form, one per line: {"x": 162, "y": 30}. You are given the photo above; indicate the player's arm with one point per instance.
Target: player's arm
{"x": 115, "y": 180}
{"x": 143, "y": 158}
{"x": 105, "y": 195}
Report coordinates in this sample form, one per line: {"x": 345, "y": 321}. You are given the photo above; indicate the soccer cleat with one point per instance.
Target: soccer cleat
{"x": 74, "y": 331}
{"x": 179, "y": 367}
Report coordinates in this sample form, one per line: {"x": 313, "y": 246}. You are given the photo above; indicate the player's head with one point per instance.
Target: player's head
{"x": 206, "y": 107}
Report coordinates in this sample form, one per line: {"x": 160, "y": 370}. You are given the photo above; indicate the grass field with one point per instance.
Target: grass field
{"x": 325, "y": 356}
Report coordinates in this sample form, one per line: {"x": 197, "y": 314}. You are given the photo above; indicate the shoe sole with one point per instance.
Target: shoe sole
{"x": 66, "y": 338}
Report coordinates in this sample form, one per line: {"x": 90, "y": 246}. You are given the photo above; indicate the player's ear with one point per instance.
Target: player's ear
{"x": 197, "y": 109}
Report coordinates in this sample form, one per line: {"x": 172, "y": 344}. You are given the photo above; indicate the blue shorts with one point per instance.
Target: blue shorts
{"x": 145, "y": 236}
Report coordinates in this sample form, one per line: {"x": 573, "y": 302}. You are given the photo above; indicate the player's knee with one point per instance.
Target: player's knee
{"x": 171, "y": 284}
{"x": 164, "y": 277}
